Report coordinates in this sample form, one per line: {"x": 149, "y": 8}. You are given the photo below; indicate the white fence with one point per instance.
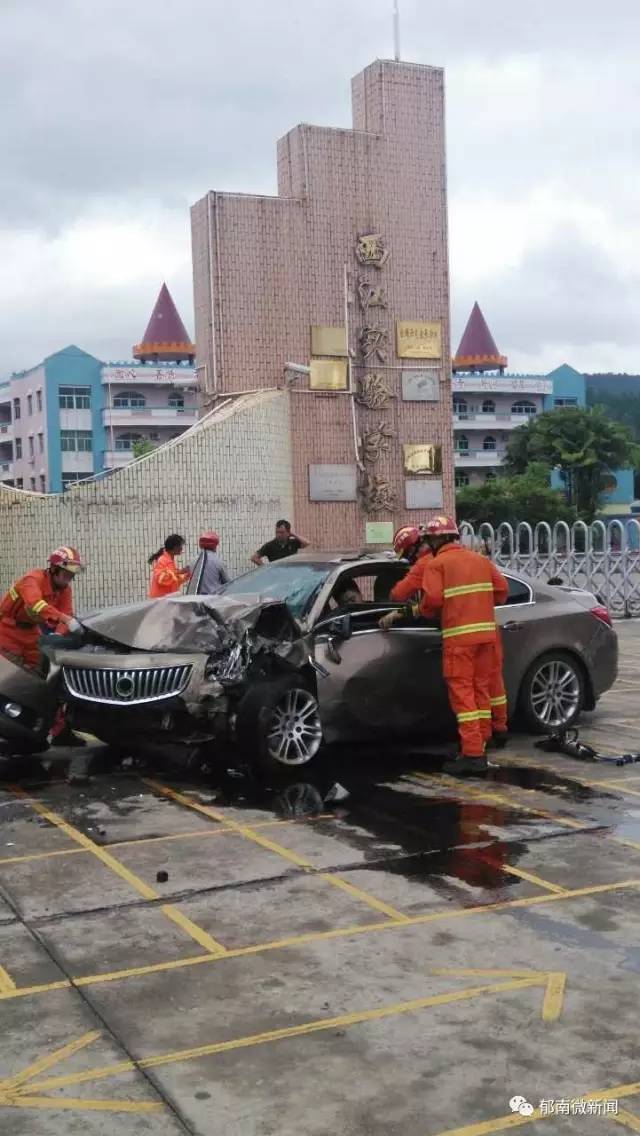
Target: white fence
{"x": 603, "y": 558}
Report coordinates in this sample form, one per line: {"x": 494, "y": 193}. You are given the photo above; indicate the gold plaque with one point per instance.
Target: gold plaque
{"x": 328, "y": 374}
{"x": 419, "y": 340}
{"x": 422, "y": 457}
{"x": 329, "y": 341}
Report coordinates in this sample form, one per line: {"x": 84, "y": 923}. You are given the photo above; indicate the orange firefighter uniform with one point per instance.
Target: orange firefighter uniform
{"x": 412, "y": 582}
{"x": 30, "y": 605}
{"x": 464, "y": 588}
{"x": 166, "y": 576}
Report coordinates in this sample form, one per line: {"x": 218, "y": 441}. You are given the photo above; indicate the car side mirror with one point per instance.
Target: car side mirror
{"x": 340, "y": 627}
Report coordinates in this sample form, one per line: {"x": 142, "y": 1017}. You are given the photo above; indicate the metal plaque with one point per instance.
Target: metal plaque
{"x": 378, "y": 532}
{"x": 333, "y": 483}
{"x": 422, "y": 457}
{"x": 328, "y": 374}
{"x": 424, "y": 494}
{"x": 420, "y": 386}
{"x": 329, "y": 341}
{"x": 417, "y": 339}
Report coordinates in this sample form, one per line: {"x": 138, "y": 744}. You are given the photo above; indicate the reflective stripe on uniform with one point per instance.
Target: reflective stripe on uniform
{"x": 14, "y": 595}
{"x": 484, "y": 713}
{"x": 501, "y": 701}
{"x": 467, "y": 589}
{"x": 471, "y": 715}
{"x": 39, "y": 606}
{"x": 467, "y": 629}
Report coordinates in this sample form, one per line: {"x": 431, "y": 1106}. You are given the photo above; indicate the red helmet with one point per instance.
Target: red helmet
{"x": 405, "y": 539}
{"x": 67, "y": 558}
{"x": 209, "y": 540}
{"x": 441, "y": 526}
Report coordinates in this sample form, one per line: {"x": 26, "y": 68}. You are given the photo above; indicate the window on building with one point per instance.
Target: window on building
{"x": 31, "y": 446}
{"x": 19, "y": 483}
{"x": 460, "y": 406}
{"x": 32, "y": 484}
{"x": 523, "y": 406}
{"x": 18, "y": 444}
{"x": 16, "y": 409}
{"x": 461, "y": 442}
{"x": 129, "y": 400}
{"x": 76, "y": 441}
{"x": 490, "y": 475}
{"x": 488, "y": 406}
{"x": 71, "y": 479}
{"x": 75, "y": 398}
{"x": 125, "y": 441}
{"x": 40, "y": 443}
{"x": 43, "y": 483}
{"x": 176, "y": 402}
{"x": 39, "y": 401}
{"x": 462, "y": 479}
{"x": 489, "y": 443}
{"x": 29, "y": 404}
{"x": 565, "y": 402}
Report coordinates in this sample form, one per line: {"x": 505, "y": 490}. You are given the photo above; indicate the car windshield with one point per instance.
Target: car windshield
{"x": 296, "y": 583}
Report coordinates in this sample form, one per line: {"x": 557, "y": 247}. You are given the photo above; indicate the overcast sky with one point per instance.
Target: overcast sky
{"x": 118, "y": 115}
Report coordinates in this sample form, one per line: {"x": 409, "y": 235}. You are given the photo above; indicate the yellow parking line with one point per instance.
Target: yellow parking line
{"x": 277, "y": 849}
{"x": 488, "y": 795}
{"x": 320, "y": 936}
{"x": 78, "y": 1104}
{"x": 162, "y": 839}
{"x": 118, "y": 869}
{"x": 50, "y": 1059}
{"x": 197, "y": 933}
{"x": 531, "y": 878}
{"x": 6, "y": 982}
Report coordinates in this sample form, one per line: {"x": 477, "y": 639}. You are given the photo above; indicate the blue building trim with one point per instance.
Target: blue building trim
{"x": 72, "y": 367}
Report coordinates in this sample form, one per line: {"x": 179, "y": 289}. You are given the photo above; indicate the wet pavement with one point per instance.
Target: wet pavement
{"x": 378, "y": 950}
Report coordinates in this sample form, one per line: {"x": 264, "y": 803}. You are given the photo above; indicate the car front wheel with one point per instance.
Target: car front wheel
{"x": 279, "y": 725}
{"x": 552, "y": 693}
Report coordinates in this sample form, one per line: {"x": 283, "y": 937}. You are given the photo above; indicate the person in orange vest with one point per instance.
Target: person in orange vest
{"x": 166, "y": 576}
{"x": 463, "y": 588}
{"x": 41, "y": 601}
{"x": 409, "y": 544}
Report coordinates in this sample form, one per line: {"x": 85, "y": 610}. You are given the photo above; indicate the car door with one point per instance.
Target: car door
{"x": 518, "y": 621}
{"x": 376, "y": 683}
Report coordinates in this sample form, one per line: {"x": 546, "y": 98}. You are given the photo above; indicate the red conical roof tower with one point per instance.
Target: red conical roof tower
{"x": 166, "y": 338}
{"x": 477, "y": 350}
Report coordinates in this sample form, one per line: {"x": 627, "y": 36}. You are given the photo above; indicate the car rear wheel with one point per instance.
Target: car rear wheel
{"x": 552, "y": 693}
{"x": 278, "y": 725}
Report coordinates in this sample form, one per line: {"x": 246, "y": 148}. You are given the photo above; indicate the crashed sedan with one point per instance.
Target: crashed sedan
{"x": 290, "y": 656}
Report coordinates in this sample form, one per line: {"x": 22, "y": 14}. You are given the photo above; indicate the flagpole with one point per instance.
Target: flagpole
{"x": 396, "y": 29}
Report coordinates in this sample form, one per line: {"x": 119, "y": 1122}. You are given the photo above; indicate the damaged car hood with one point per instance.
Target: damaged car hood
{"x": 210, "y": 624}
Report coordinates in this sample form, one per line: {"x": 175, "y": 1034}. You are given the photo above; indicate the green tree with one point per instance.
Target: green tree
{"x": 141, "y": 448}
{"x": 527, "y": 497}
{"x": 585, "y": 445}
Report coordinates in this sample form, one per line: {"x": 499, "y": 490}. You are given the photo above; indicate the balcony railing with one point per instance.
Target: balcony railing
{"x": 504, "y": 417}
{"x": 479, "y": 457}
{"x": 149, "y": 415}
{"x": 5, "y": 467}
{"x": 6, "y": 429}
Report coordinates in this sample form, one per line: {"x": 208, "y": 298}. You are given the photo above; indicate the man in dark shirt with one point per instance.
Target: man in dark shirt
{"x": 286, "y": 543}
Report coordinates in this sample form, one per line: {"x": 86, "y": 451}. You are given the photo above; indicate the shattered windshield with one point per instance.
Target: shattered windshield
{"x": 296, "y": 583}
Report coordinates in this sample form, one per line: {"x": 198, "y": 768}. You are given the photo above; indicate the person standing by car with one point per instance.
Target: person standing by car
{"x": 41, "y": 602}
{"x": 210, "y": 571}
{"x": 166, "y": 576}
{"x": 463, "y": 588}
{"x": 409, "y": 543}
{"x": 286, "y": 543}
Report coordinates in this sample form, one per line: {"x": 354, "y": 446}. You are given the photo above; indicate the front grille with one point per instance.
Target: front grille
{"x": 126, "y": 688}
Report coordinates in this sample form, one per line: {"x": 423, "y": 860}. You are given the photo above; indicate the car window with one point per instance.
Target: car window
{"x": 295, "y": 582}
{"x": 369, "y": 585}
{"x": 519, "y": 592}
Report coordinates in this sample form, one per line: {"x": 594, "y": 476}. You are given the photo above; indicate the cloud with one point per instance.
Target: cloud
{"x": 121, "y": 115}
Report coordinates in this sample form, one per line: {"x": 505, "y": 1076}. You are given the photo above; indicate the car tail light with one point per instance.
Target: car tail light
{"x": 602, "y": 613}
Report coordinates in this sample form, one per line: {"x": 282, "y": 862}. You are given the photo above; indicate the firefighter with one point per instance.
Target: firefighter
{"x": 41, "y": 601}
{"x": 212, "y": 575}
{"x": 463, "y": 587}
{"x": 409, "y": 543}
{"x": 166, "y": 576}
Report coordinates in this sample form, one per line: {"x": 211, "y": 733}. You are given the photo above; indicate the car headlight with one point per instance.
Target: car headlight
{"x": 12, "y": 709}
